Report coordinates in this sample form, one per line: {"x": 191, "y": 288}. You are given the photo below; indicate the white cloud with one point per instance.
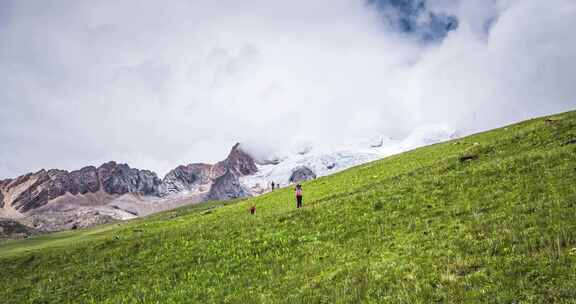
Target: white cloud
{"x": 161, "y": 84}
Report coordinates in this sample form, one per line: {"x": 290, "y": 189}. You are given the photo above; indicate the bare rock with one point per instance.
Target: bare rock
{"x": 40, "y": 189}
{"x": 238, "y": 163}
{"x": 81, "y": 218}
{"x": 12, "y": 229}
{"x": 121, "y": 179}
{"x": 302, "y": 173}
{"x": 83, "y": 181}
{"x": 3, "y": 184}
{"x": 186, "y": 178}
{"x": 227, "y": 187}
{"x": 34, "y": 190}
{"x": 58, "y": 199}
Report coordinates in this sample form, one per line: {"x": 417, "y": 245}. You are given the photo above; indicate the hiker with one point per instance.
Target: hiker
{"x": 272, "y": 186}
{"x": 298, "y": 191}
{"x": 252, "y": 209}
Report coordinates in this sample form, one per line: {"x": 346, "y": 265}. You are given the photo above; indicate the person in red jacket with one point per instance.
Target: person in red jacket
{"x": 298, "y": 191}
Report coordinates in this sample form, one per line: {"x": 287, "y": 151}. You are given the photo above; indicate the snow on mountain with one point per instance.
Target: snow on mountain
{"x": 328, "y": 161}
{"x": 52, "y": 200}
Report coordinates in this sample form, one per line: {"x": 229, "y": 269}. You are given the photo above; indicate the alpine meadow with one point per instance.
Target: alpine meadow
{"x": 302, "y": 151}
{"x": 486, "y": 218}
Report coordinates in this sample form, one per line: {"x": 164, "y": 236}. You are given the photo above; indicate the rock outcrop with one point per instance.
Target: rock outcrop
{"x": 186, "y": 178}
{"x": 238, "y": 163}
{"x": 227, "y": 187}
{"x": 201, "y": 177}
{"x": 57, "y": 199}
{"x": 34, "y": 190}
{"x": 302, "y": 173}
{"x": 121, "y": 179}
{"x": 83, "y": 181}
{"x": 11, "y": 229}
{"x": 2, "y": 184}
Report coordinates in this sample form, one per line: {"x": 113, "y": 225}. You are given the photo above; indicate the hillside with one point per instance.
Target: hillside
{"x": 55, "y": 200}
{"x": 486, "y": 218}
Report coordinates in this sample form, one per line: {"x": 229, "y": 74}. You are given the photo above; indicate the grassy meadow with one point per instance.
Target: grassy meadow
{"x": 489, "y": 218}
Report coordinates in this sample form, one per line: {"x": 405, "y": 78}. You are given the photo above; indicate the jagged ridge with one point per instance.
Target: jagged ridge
{"x": 34, "y": 190}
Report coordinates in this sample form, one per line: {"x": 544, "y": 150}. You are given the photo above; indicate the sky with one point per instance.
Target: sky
{"x": 157, "y": 84}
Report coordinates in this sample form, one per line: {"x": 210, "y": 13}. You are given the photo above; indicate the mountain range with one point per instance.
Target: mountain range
{"x": 53, "y": 200}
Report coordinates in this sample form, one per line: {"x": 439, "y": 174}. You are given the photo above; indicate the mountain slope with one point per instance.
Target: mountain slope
{"x": 486, "y": 218}
{"x": 52, "y": 200}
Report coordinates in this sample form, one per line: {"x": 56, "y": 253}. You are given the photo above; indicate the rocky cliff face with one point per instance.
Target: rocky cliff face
{"x": 34, "y": 190}
{"x": 58, "y": 199}
{"x": 186, "y": 178}
{"x": 2, "y": 183}
{"x": 302, "y": 173}
{"x": 227, "y": 187}
{"x": 238, "y": 163}
{"x": 121, "y": 179}
{"x": 201, "y": 177}
{"x": 226, "y": 175}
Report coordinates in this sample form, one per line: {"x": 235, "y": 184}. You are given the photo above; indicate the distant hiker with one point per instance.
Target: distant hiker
{"x": 298, "y": 191}
{"x": 252, "y": 209}
{"x": 272, "y": 186}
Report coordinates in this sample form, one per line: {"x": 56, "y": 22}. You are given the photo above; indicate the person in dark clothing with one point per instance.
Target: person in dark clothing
{"x": 272, "y": 186}
{"x": 298, "y": 191}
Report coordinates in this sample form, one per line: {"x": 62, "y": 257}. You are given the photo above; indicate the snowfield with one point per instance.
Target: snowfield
{"x": 325, "y": 162}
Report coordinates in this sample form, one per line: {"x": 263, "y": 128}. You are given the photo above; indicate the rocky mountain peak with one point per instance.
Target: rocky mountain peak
{"x": 238, "y": 163}
{"x": 201, "y": 177}
{"x": 34, "y": 195}
{"x": 121, "y": 179}
{"x": 226, "y": 187}
{"x": 186, "y": 178}
{"x": 34, "y": 190}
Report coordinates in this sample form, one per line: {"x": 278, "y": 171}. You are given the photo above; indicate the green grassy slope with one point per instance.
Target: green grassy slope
{"x": 487, "y": 218}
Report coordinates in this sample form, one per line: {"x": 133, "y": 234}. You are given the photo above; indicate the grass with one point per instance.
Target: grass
{"x": 489, "y": 218}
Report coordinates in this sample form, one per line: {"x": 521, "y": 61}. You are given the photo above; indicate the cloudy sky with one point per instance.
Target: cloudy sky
{"x": 162, "y": 83}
